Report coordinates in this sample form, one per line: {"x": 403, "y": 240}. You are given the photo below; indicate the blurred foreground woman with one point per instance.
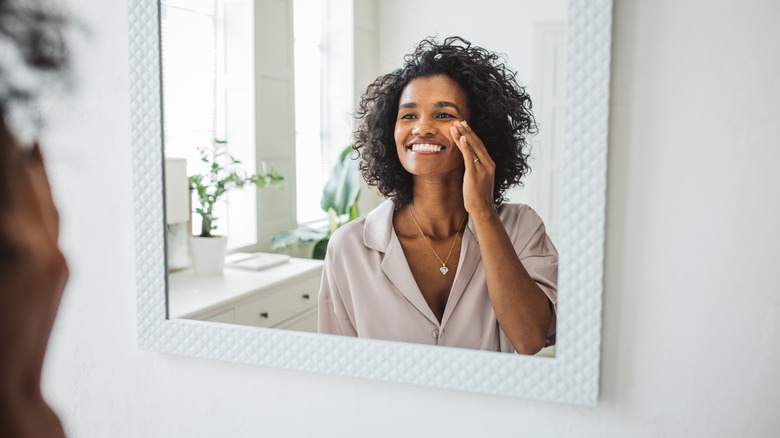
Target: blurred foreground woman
{"x": 32, "y": 267}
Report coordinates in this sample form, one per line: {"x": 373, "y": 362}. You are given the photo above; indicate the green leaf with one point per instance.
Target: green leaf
{"x": 320, "y": 249}
{"x": 343, "y": 189}
{"x": 284, "y": 239}
{"x": 333, "y": 220}
{"x": 354, "y": 213}
{"x": 224, "y": 174}
{"x": 302, "y": 233}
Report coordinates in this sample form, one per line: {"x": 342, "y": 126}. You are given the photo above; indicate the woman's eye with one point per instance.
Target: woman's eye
{"x": 444, "y": 116}
{"x": 408, "y": 116}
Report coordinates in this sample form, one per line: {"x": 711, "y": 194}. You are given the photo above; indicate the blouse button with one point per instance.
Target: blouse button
{"x": 435, "y": 334}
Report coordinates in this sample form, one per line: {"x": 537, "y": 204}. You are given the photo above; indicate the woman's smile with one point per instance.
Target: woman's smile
{"x": 426, "y": 147}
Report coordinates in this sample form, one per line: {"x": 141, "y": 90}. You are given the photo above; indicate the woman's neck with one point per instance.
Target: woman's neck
{"x": 437, "y": 205}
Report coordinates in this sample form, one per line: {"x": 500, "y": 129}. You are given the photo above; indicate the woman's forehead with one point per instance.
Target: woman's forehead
{"x": 432, "y": 89}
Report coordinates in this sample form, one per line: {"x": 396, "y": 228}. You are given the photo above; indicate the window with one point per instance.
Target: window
{"x": 211, "y": 86}
{"x": 310, "y": 144}
{"x": 324, "y": 95}
{"x": 208, "y": 88}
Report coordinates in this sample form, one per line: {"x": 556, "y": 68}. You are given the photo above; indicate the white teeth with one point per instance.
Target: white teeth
{"x": 426, "y": 147}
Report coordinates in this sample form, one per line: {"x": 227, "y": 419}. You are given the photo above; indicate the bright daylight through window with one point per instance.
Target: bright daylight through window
{"x": 208, "y": 86}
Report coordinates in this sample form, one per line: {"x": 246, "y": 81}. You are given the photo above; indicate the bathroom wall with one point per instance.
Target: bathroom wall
{"x": 691, "y": 300}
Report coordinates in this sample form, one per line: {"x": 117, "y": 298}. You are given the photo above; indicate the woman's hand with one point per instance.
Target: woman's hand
{"x": 480, "y": 171}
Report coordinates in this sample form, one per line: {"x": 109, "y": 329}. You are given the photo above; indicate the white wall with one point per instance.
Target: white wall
{"x": 692, "y": 302}
{"x": 404, "y": 23}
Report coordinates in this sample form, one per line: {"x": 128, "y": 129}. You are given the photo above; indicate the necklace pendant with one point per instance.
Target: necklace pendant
{"x": 443, "y": 270}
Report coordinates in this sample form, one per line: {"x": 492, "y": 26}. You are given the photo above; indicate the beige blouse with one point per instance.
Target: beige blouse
{"x": 368, "y": 290}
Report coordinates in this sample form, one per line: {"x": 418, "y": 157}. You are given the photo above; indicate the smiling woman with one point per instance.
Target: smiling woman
{"x": 456, "y": 111}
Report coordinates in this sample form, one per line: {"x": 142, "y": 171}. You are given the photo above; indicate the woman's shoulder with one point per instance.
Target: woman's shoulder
{"x": 348, "y": 234}
{"x": 373, "y": 230}
{"x": 519, "y": 213}
{"x": 526, "y": 230}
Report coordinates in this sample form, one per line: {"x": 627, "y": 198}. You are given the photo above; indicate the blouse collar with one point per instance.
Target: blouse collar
{"x": 378, "y": 228}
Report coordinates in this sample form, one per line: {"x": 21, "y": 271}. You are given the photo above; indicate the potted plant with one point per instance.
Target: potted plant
{"x": 339, "y": 200}
{"x": 224, "y": 174}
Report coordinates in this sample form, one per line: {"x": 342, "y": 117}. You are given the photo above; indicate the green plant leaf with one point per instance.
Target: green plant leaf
{"x": 284, "y": 239}
{"x": 224, "y": 174}
{"x": 354, "y": 213}
{"x": 302, "y": 233}
{"x": 320, "y": 249}
{"x": 343, "y": 189}
{"x": 339, "y": 197}
{"x": 333, "y": 220}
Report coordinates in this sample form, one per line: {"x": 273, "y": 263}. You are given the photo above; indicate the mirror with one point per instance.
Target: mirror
{"x": 207, "y": 51}
{"x": 571, "y": 377}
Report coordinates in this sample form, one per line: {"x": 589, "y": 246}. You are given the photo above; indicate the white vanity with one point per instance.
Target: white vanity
{"x": 283, "y": 296}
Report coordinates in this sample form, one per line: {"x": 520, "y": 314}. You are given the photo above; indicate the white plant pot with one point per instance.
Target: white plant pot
{"x": 208, "y": 254}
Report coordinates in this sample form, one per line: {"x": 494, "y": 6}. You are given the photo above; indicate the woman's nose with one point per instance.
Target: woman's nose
{"x": 423, "y": 127}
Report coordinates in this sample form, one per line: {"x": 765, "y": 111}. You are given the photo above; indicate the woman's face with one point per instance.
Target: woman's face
{"x": 427, "y": 109}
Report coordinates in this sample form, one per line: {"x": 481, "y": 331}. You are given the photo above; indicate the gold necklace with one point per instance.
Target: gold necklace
{"x": 443, "y": 268}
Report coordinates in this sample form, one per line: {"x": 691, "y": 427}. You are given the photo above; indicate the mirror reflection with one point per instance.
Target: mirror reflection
{"x": 259, "y": 107}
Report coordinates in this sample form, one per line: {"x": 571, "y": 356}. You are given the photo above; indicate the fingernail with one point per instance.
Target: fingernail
{"x": 465, "y": 125}
{"x": 457, "y": 124}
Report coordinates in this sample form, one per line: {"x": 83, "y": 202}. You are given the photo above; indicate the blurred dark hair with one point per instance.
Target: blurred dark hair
{"x": 32, "y": 48}
{"x": 33, "y": 45}
{"x": 499, "y": 108}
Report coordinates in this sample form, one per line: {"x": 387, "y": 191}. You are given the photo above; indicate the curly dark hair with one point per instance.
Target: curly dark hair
{"x": 499, "y": 107}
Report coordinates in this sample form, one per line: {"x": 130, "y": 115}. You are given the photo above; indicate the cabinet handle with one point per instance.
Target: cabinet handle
{"x": 305, "y": 296}
{"x": 264, "y": 315}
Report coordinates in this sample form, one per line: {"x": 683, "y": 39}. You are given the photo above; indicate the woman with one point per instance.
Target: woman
{"x": 444, "y": 261}
{"x": 32, "y": 267}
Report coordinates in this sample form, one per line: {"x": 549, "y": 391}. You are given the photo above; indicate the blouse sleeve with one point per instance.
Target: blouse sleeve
{"x": 540, "y": 258}
{"x": 332, "y": 315}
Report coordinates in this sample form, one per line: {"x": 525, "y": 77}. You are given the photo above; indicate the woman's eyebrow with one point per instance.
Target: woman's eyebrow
{"x": 440, "y": 104}
{"x": 444, "y": 103}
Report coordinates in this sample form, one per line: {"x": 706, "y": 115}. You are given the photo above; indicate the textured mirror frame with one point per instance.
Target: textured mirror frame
{"x": 571, "y": 377}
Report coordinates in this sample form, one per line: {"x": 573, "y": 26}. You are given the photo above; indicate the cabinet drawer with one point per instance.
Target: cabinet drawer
{"x": 305, "y": 322}
{"x": 278, "y": 305}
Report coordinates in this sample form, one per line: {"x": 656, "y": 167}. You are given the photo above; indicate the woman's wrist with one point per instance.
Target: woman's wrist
{"x": 485, "y": 215}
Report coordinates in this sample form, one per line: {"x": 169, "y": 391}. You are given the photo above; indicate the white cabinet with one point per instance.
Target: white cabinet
{"x": 305, "y": 322}
{"x": 284, "y": 296}
{"x": 275, "y": 306}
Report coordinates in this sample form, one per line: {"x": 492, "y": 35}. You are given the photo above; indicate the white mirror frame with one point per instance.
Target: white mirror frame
{"x": 571, "y": 377}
